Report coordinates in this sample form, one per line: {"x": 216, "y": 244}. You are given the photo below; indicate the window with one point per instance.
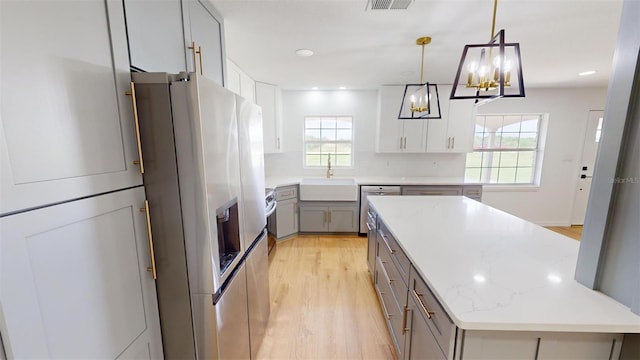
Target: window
{"x": 324, "y": 135}
{"x": 505, "y": 149}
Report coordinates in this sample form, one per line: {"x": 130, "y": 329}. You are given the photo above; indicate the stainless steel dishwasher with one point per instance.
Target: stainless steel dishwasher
{"x": 364, "y": 204}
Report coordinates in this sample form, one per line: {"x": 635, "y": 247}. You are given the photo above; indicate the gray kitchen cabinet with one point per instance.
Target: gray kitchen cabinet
{"x": 372, "y": 240}
{"x": 431, "y": 190}
{"x": 156, "y": 35}
{"x": 421, "y": 328}
{"x": 420, "y": 342}
{"x": 393, "y": 135}
{"x": 314, "y": 219}
{"x": 287, "y": 218}
{"x": 284, "y": 222}
{"x": 269, "y": 97}
{"x": 78, "y": 285}
{"x": 204, "y": 28}
{"x": 67, "y": 126}
{"x": 470, "y": 191}
{"x": 318, "y": 216}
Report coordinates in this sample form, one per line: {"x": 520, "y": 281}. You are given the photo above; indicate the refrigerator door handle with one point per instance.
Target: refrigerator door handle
{"x": 272, "y": 208}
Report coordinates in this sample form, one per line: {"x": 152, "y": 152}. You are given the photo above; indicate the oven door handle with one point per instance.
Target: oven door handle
{"x": 272, "y": 208}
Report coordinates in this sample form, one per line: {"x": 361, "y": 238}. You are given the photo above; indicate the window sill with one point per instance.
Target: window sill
{"x": 510, "y": 188}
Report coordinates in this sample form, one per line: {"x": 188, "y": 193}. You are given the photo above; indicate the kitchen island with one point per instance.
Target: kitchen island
{"x": 486, "y": 284}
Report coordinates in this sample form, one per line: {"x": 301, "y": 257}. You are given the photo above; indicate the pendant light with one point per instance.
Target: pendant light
{"x": 492, "y": 70}
{"x": 420, "y": 101}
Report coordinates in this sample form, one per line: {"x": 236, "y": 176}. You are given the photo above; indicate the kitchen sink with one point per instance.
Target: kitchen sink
{"x": 333, "y": 189}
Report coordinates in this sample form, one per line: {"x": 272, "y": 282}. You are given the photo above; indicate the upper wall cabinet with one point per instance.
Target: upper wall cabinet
{"x": 269, "y": 98}
{"x": 393, "y": 135}
{"x": 454, "y": 132}
{"x": 156, "y": 36}
{"x": 66, "y": 124}
{"x": 239, "y": 82}
{"x": 204, "y": 38}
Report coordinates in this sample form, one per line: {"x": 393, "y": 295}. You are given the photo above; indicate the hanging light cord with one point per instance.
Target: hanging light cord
{"x": 493, "y": 23}
{"x": 422, "y": 65}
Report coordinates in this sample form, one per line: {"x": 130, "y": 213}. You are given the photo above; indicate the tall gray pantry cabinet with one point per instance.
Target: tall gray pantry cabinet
{"x": 74, "y": 247}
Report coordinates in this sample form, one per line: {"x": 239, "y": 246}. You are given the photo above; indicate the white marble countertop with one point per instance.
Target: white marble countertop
{"x": 273, "y": 182}
{"x": 494, "y": 271}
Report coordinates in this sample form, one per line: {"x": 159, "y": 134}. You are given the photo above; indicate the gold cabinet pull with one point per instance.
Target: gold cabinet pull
{"x": 329, "y": 212}
{"x": 384, "y": 239}
{"x": 384, "y": 306}
{"x": 136, "y": 121}
{"x": 145, "y": 209}
{"x": 421, "y": 304}
{"x": 404, "y": 319}
{"x": 200, "y": 55}
{"x": 194, "y": 51}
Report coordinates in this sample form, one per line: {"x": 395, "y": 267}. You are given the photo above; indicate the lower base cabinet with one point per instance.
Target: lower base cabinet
{"x": 421, "y": 329}
{"x": 329, "y": 217}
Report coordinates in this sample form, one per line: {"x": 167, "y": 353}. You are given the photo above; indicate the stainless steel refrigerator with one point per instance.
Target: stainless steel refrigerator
{"x": 203, "y": 172}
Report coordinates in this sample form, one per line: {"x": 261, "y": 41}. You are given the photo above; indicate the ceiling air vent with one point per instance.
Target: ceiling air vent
{"x": 389, "y": 4}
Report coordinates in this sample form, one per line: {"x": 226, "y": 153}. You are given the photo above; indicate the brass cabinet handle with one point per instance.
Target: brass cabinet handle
{"x": 200, "y": 55}
{"x": 424, "y": 308}
{"x": 453, "y": 142}
{"x": 324, "y": 217}
{"x": 329, "y": 213}
{"x": 404, "y": 319}
{"x": 194, "y": 51}
{"x": 136, "y": 121}
{"x": 384, "y": 239}
{"x": 384, "y": 271}
{"x": 384, "y": 306}
{"x": 150, "y": 236}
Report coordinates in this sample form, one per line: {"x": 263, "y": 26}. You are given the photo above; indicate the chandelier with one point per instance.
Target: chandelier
{"x": 492, "y": 70}
{"x": 420, "y": 101}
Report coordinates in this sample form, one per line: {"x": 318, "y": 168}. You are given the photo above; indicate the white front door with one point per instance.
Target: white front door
{"x": 589, "y": 151}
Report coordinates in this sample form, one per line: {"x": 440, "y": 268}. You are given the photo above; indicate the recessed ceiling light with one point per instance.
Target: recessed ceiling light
{"x": 314, "y": 88}
{"x": 587, "y": 73}
{"x": 342, "y": 87}
{"x": 304, "y": 52}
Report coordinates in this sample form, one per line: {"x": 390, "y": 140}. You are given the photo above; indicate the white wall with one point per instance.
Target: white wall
{"x": 568, "y": 111}
{"x": 363, "y": 106}
{"x": 551, "y": 204}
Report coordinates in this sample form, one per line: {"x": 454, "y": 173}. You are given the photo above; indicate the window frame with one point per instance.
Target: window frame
{"x": 334, "y": 163}
{"x": 537, "y": 152}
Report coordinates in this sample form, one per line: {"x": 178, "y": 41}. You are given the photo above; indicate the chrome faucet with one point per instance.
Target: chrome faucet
{"x": 329, "y": 169}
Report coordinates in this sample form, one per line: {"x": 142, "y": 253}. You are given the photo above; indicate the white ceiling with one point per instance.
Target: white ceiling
{"x": 360, "y": 48}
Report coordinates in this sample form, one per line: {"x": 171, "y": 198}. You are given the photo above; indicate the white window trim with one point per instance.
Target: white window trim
{"x": 333, "y": 166}
{"x": 540, "y": 149}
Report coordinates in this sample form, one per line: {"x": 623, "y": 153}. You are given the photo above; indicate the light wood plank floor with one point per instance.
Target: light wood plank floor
{"x": 323, "y": 304}
{"x": 574, "y": 232}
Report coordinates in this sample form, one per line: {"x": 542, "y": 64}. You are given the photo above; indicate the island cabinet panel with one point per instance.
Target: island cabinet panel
{"x": 421, "y": 344}
{"x": 393, "y": 314}
{"x": 498, "y": 345}
{"x": 441, "y": 327}
{"x": 397, "y": 255}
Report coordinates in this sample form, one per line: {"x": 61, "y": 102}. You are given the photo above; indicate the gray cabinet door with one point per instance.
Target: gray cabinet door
{"x": 156, "y": 35}
{"x": 420, "y": 343}
{"x": 75, "y": 283}
{"x": 286, "y": 218}
{"x": 67, "y": 126}
{"x": 314, "y": 219}
{"x": 204, "y": 27}
{"x": 343, "y": 219}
